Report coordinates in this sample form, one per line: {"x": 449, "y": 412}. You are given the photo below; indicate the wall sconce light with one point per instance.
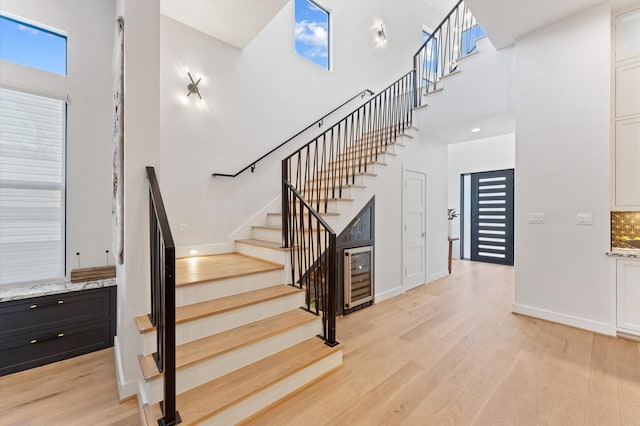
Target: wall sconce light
{"x": 193, "y": 86}
{"x": 381, "y": 33}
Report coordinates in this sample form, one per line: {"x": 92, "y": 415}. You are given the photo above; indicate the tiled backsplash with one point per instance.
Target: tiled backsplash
{"x": 625, "y": 230}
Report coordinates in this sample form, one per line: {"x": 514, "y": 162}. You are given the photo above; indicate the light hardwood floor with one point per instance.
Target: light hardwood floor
{"x": 452, "y": 353}
{"x": 447, "y": 353}
{"x": 76, "y": 391}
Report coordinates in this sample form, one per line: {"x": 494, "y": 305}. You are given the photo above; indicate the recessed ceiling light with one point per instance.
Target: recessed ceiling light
{"x": 475, "y": 130}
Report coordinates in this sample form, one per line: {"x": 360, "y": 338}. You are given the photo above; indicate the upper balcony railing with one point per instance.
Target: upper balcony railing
{"x": 438, "y": 56}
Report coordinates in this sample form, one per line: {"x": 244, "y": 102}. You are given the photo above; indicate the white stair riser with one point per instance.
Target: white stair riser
{"x": 391, "y": 148}
{"x": 193, "y": 330}
{"x": 189, "y": 294}
{"x": 359, "y": 180}
{"x": 275, "y": 219}
{"x": 331, "y": 206}
{"x": 278, "y": 256}
{"x": 361, "y": 158}
{"x": 273, "y": 235}
{"x": 371, "y": 168}
{"x": 330, "y": 219}
{"x": 276, "y": 392}
{"x": 202, "y": 372}
{"x": 347, "y": 192}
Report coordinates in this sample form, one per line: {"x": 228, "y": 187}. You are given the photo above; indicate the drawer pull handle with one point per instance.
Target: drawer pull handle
{"x": 55, "y": 336}
{"x": 59, "y": 302}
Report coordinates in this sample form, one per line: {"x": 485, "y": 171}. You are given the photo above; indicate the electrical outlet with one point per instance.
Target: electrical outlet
{"x": 183, "y": 228}
{"x": 537, "y": 218}
{"x": 584, "y": 219}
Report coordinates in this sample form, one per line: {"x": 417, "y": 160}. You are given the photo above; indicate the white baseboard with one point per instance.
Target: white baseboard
{"x": 125, "y": 389}
{"x": 437, "y": 276}
{"x": 388, "y": 294}
{"x": 583, "y": 323}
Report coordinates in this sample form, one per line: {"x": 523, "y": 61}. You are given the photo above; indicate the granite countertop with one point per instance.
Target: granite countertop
{"x": 43, "y": 289}
{"x": 627, "y": 253}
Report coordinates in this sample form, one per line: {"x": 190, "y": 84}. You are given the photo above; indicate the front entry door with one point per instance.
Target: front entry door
{"x": 492, "y": 217}
{"x": 414, "y": 227}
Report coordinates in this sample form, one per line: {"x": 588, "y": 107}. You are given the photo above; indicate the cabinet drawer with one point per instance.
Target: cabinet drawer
{"x": 25, "y": 316}
{"x": 52, "y": 344}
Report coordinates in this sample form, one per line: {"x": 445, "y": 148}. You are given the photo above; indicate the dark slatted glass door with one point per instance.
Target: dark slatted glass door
{"x": 492, "y": 217}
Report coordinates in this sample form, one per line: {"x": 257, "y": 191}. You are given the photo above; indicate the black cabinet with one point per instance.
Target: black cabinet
{"x": 40, "y": 330}
{"x": 358, "y": 234}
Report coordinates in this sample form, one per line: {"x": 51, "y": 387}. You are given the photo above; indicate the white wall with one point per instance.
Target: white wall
{"x": 142, "y": 148}
{"x": 480, "y": 155}
{"x": 562, "y": 168}
{"x": 483, "y": 87}
{"x": 89, "y": 25}
{"x": 425, "y": 155}
{"x": 256, "y": 98}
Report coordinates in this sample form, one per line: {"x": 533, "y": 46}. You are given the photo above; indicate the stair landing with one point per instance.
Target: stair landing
{"x": 194, "y": 270}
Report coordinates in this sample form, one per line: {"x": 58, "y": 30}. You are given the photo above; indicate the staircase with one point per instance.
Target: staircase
{"x": 241, "y": 341}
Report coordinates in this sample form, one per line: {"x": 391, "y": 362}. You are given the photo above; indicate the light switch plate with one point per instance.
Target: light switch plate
{"x": 584, "y": 219}
{"x": 537, "y": 218}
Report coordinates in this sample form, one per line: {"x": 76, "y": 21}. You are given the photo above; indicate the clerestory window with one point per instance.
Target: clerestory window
{"x": 312, "y": 32}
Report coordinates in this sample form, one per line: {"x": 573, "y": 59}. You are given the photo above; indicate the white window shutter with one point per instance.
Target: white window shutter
{"x": 32, "y": 187}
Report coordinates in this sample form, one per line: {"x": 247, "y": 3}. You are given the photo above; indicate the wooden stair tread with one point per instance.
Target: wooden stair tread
{"x": 355, "y": 156}
{"x": 321, "y": 213}
{"x": 356, "y": 162}
{"x": 325, "y": 199}
{"x": 349, "y": 168}
{"x": 209, "y": 399}
{"x": 199, "y": 269}
{"x": 278, "y": 228}
{"x": 223, "y": 304}
{"x": 379, "y": 149}
{"x": 356, "y": 174}
{"x": 329, "y": 189}
{"x": 263, "y": 243}
{"x": 217, "y": 344}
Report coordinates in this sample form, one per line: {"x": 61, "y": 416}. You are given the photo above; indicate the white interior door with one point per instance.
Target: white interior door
{"x": 414, "y": 229}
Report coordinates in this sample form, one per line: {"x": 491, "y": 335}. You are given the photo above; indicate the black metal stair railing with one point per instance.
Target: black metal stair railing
{"x": 438, "y": 56}
{"x": 313, "y": 260}
{"x": 317, "y": 174}
{"x": 163, "y": 298}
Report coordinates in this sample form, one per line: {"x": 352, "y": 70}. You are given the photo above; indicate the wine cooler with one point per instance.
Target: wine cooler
{"x": 358, "y": 276}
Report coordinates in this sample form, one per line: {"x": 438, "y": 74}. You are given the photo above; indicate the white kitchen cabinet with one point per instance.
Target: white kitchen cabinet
{"x": 627, "y": 163}
{"x": 625, "y": 160}
{"x": 628, "y": 295}
{"x": 627, "y": 94}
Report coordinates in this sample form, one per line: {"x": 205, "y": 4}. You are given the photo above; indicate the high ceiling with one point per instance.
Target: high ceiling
{"x": 506, "y": 20}
{"x": 236, "y": 22}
